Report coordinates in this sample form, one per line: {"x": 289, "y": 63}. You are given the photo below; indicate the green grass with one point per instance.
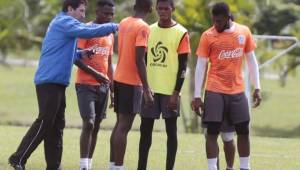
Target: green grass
{"x": 267, "y": 153}
{"x": 278, "y": 116}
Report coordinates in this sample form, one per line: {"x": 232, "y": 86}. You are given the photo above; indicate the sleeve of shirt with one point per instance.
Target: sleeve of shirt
{"x": 200, "y": 75}
{"x": 74, "y": 28}
{"x": 142, "y": 36}
{"x": 250, "y": 43}
{"x": 184, "y": 46}
{"x": 203, "y": 47}
{"x": 81, "y": 43}
{"x": 253, "y": 69}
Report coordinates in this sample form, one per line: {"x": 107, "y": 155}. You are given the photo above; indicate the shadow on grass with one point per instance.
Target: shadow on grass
{"x": 267, "y": 131}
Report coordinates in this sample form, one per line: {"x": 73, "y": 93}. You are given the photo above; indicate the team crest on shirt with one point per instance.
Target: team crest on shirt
{"x": 241, "y": 39}
{"x": 160, "y": 53}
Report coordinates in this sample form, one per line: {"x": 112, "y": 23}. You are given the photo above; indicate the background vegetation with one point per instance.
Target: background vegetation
{"x": 275, "y": 124}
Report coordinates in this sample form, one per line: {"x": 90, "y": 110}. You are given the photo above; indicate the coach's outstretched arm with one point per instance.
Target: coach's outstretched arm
{"x": 74, "y": 28}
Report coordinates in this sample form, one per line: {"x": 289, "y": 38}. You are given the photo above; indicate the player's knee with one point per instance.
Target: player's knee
{"x": 242, "y": 128}
{"x": 96, "y": 128}
{"x": 123, "y": 127}
{"x": 213, "y": 128}
{"x": 88, "y": 125}
{"x": 227, "y": 136}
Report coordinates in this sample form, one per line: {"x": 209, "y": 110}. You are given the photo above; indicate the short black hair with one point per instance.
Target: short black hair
{"x": 221, "y": 8}
{"x": 73, "y": 3}
{"x": 142, "y": 5}
{"x": 170, "y": 1}
{"x": 102, "y": 3}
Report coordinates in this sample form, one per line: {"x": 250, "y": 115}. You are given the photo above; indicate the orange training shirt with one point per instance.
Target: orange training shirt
{"x": 226, "y": 52}
{"x": 133, "y": 32}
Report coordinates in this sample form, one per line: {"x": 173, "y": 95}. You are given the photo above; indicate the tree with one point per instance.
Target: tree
{"x": 280, "y": 18}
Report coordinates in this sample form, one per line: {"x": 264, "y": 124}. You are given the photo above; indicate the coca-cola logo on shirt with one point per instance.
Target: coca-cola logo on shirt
{"x": 102, "y": 51}
{"x": 230, "y": 54}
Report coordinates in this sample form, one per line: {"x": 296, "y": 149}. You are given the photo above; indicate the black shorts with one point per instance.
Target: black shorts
{"x": 160, "y": 106}
{"x": 128, "y": 98}
{"x": 233, "y": 107}
{"x": 225, "y": 127}
{"x": 92, "y": 101}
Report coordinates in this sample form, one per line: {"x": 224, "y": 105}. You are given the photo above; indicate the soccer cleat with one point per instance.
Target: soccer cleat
{"x": 13, "y": 163}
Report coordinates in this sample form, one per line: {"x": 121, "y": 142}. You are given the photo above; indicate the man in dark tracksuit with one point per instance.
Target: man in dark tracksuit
{"x": 51, "y": 79}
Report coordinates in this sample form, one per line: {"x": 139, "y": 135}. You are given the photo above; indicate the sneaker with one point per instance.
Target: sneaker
{"x": 15, "y": 164}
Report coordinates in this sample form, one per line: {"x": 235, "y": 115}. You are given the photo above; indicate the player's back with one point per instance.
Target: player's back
{"x": 132, "y": 33}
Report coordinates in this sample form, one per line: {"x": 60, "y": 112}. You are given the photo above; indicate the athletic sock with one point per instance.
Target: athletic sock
{"x": 212, "y": 163}
{"x": 111, "y": 166}
{"x": 118, "y": 167}
{"x": 229, "y": 168}
{"x": 83, "y": 163}
{"x": 90, "y": 163}
{"x": 245, "y": 163}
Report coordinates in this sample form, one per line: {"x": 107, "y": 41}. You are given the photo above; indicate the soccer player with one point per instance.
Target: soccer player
{"x": 227, "y": 131}
{"x": 167, "y": 55}
{"x": 92, "y": 90}
{"x": 130, "y": 78}
{"x": 51, "y": 79}
{"x": 225, "y": 45}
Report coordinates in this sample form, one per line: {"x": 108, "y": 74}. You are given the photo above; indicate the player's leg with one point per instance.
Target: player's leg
{"x": 146, "y": 128}
{"x": 212, "y": 117}
{"x": 240, "y": 117}
{"x": 116, "y": 110}
{"x": 111, "y": 152}
{"x": 86, "y": 98}
{"x": 227, "y": 135}
{"x": 148, "y": 116}
{"x": 243, "y": 144}
{"x": 129, "y": 103}
{"x": 172, "y": 142}
{"x": 100, "y": 109}
{"x": 120, "y": 137}
{"x": 229, "y": 148}
{"x": 170, "y": 117}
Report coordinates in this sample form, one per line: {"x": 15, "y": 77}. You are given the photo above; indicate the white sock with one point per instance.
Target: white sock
{"x": 84, "y": 163}
{"x": 229, "y": 168}
{"x": 111, "y": 166}
{"x": 245, "y": 162}
{"x": 212, "y": 163}
{"x": 90, "y": 163}
{"x": 118, "y": 167}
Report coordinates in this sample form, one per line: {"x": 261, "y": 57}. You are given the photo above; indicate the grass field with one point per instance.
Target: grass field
{"x": 267, "y": 153}
{"x": 278, "y": 116}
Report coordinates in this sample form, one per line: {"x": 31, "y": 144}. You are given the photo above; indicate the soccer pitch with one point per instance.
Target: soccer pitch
{"x": 266, "y": 154}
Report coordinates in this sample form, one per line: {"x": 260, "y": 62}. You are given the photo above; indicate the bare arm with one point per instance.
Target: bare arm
{"x": 89, "y": 70}
{"x": 141, "y": 65}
